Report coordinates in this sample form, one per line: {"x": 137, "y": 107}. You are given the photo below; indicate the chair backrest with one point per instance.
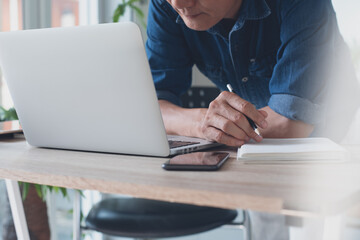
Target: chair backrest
{"x": 199, "y": 97}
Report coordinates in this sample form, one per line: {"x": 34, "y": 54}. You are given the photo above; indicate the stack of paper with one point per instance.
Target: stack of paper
{"x": 292, "y": 150}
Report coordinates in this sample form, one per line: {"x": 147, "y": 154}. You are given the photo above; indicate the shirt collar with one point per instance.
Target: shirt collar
{"x": 254, "y": 10}
{"x": 249, "y": 10}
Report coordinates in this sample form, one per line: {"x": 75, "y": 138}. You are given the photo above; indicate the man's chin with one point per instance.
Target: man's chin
{"x": 197, "y": 28}
{"x": 198, "y": 25}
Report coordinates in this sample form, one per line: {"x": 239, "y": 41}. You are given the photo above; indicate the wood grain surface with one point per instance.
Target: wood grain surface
{"x": 292, "y": 189}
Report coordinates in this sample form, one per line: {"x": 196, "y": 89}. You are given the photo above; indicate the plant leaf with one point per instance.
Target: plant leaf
{"x": 119, "y": 12}
{"x": 138, "y": 11}
{"x": 63, "y": 191}
{"x": 56, "y": 189}
{"x": 2, "y": 113}
{"x": 8, "y": 115}
{"x": 130, "y": 2}
{"x": 44, "y": 192}
{"x": 38, "y": 190}
{"x": 25, "y": 190}
{"x": 81, "y": 193}
{"x": 116, "y": 15}
{"x": 11, "y": 114}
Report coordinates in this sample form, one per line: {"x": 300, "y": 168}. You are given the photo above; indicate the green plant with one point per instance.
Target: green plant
{"x": 42, "y": 190}
{"x": 7, "y": 115}
{"x": 120, "y": 11}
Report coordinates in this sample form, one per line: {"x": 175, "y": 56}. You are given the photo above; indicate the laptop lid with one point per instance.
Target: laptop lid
{"x": 85, "y": 88}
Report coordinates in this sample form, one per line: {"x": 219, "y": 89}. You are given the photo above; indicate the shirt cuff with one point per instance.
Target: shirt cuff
{"x": 297, "y": 108}
{"x": 169, "y": 96}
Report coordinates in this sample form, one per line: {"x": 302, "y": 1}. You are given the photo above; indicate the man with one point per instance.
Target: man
{"x": 282, "y": 57}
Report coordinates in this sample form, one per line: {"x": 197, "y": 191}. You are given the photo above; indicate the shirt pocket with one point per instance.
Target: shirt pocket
{"x": 263, "y": 67}
{"x": 213, "y": 72}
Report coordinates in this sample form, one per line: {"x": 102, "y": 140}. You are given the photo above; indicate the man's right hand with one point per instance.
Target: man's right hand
{"x": 225, "y": 121}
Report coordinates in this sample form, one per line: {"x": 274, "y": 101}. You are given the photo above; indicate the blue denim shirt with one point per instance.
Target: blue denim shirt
{"x": 278, "y": 54}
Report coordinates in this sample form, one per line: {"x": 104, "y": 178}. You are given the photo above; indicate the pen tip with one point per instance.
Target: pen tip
{"x": 229, "y": 87}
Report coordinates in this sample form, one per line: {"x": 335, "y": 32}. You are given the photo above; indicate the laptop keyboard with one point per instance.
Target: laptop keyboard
{"x": 176, "y": 144}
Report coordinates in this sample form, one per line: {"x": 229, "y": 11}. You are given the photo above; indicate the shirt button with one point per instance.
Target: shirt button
{"x": 244, "y": 79}
{"x": 252, "y": 60}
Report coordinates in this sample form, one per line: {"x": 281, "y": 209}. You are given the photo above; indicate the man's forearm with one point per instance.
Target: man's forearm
{"x": 282, "y": 127}
{"x": 181, "y": 121}
{"x": 187, "y": 122}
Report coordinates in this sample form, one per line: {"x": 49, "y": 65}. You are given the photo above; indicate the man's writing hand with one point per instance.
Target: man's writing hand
{"x": 225, "y": 120}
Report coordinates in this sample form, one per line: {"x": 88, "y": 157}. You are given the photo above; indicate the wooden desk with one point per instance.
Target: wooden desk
{"x": 291, "y": 189}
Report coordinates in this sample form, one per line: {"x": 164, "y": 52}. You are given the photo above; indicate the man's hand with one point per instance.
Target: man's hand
{"x": 225, "y": 121}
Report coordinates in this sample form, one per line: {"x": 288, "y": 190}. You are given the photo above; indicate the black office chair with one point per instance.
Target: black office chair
{"x": 142, "y": 218}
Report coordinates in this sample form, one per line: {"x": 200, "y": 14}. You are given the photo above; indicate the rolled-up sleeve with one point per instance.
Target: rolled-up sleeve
{"x": 301, "y": 76}
{"x": 168, "y": 53}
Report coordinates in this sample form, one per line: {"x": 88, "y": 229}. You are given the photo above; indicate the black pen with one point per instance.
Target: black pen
{"x": 251, "y": 122}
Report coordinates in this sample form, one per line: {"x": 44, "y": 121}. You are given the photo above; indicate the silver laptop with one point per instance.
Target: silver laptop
{"x": 87, "y": 88}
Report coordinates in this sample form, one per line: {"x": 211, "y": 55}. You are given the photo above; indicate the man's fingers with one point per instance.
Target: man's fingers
{"x": 264, "y": 113}
{"x": 246, "y": 108}
{"x": 228, "y": 114}
{"x": 221, "y": 137}
{"x": 240, "y": 121}
{"x": 227, "y": 126}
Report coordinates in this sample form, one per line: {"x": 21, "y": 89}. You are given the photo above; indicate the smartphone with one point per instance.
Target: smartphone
{"x": 197, "y": 161}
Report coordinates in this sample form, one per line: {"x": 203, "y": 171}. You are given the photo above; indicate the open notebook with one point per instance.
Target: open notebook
{"x": 292, "y": 150}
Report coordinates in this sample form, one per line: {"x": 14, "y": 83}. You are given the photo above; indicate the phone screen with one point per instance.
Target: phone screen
{"x": 197, "y": 161}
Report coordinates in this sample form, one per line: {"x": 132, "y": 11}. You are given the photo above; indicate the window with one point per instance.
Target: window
{"x": 39, "y": 14}
{"x": 64, "y": 13}
{"x": 348, "y": 16}
{"x": 10, "y": 12}
{"x": 10, "y": 20}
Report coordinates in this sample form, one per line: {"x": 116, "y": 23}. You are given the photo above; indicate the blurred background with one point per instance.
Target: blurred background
{"x": 30, "y": 14}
